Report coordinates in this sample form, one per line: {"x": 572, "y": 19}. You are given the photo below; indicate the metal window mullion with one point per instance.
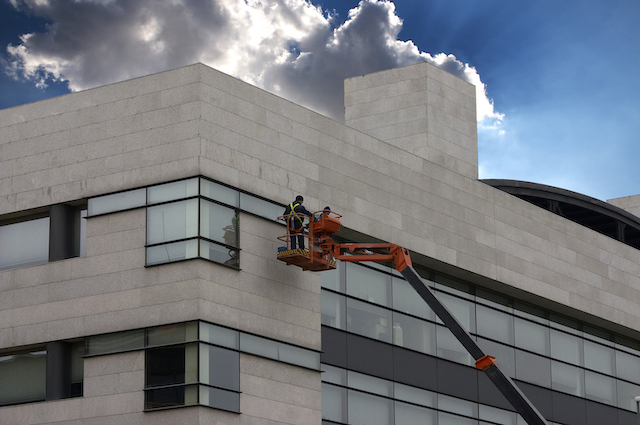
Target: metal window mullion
{"x": 199, "y": 223}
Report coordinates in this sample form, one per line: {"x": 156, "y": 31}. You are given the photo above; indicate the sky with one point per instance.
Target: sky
{"x": 558, "y": 92}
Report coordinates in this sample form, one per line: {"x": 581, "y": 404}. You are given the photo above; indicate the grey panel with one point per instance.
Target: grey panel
{"x": 540, "y": 397}
{"x": 570, "y": 410}
{"x": 489, "y": 394}
{"x": 369, "y": 356}
{"x": 334, "y": 347}
{"x": 412, "y": 368}
{"x": 457, "y": 380}
{"x": 601, "y": 414}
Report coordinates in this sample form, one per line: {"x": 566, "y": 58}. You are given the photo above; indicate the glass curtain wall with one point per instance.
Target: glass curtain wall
{"x": 530, "y": 345}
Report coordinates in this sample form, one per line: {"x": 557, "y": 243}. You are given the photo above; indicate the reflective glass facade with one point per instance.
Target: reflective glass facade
{"x": 538, "y": 348}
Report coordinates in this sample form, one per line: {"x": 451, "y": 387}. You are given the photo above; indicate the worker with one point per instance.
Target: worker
{"x": 295, "y": 211}
{"x": 324, "y": 213}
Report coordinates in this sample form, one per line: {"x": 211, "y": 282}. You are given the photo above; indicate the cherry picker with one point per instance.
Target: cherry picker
{"x": 322, "y": 255}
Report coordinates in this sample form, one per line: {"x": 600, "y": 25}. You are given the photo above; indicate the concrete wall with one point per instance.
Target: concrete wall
{"x": 629, "y": 203}
{"x": 421, "y": 109}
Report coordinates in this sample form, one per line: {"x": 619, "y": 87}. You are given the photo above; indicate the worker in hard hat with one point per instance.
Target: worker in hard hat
{"x": 295, "y": 222}
{"x": 325, "y": 213}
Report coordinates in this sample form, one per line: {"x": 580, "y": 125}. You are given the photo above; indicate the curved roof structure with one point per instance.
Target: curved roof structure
{"x": 590, "y": 212}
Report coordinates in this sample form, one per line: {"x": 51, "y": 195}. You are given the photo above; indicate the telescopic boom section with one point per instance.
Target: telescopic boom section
{"x": 322, "y": 255}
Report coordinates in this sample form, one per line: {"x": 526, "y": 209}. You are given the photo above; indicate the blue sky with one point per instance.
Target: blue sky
{"x": 561, "y": 93}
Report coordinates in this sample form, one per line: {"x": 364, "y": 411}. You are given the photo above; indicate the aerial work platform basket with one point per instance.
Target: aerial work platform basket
{"x": 322, "y": 226}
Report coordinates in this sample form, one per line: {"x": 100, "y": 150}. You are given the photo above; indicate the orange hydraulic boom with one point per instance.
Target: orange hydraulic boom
{"x": 322, "y": 255}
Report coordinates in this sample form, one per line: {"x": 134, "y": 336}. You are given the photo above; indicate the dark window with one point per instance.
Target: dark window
{"x": 191, "y": 374}
{"x": 165, "y": 366}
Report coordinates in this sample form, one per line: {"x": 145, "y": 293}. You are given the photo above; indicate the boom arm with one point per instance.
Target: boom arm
{"x": 486, "y": 363}
{"x": 324, "y": 250}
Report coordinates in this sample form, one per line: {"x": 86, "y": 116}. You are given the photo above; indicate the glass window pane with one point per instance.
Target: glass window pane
{"x": 495, "y": 324}
{"x": 165, "y": 366}
{"x": 463, "y": 310}
{"x": 599, "y": 357}
{"x": 115, "y": 342}
{"x": 600, "y": 388}
{"x": 219, "y": 367}
{"x": 533, "y": 368}
{"x": 23, "y": 377}
{"x": 504, "y": 355}
{"x": 172, "y": 334}
{"x": 566, "y": 378}
{"x": 333, "y": 310}
{"x": 450, "y": 348}
{"x": 498, "y": 416}
{"x": 532, "y": 336}
{"x": 172, "y": 191}
{"x": 414, "y": 334}
{"x": 279, "y": 351}
{"x": 626, "y": 395}
{"x": 185, "y": 395}
{"x": 298, "y": 356}
{"x": 456, "y": 405}
{"x": 333, "y": 374}
{"x": 219, "y": 254}
{"x": 566, "y": 347}
{"x": 169, "y": 252}
{"x": 407, "y": 300}
{"x": 170, "y": 222}
{"x": 368, "y": 320}
{"x": 219, "y": 335}
{"x": 219, "y": 192}
{"x": 334, "y": 403}
{"x": 218, "y": 223}
{"x": 628, "y": 367}
{"x": 83, "y": 234}
{"x": 260, "y": 207}
{"x": 77, "y": 368}
{"x": 370, "y": 384}
{"x": 24, "y": 244}
{"x": 408, "y": 414}
{"x": 415, "y": 395}
{"x": 366, "y": 409}
{"x": 450, "y": 419}
{"x": 220, "y": 399}
{"x": 117, "y": 202}
{"x": 368, "y": 284}
{"x": 330, "y": 279}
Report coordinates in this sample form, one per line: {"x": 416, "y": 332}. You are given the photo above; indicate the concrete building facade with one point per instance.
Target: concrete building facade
{"x": 139, "y": 280}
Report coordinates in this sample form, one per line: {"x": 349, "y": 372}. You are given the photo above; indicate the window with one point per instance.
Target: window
{"x": 192, "y": 228}
{"x": 191, "y": 374}
{"x": 23, "y": 376}
{"x": 196, "y": 363}
{"x": 190, "y": 218}
{"x": 51, "y": 235}
{"x": 50, "y": 372}
{"x": 25, "y": 243}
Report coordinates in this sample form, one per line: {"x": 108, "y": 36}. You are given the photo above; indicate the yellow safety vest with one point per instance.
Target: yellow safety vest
{"x": 294, "y": 213}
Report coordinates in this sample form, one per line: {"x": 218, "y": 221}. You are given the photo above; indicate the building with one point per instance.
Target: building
{"x": 140, "y": 285}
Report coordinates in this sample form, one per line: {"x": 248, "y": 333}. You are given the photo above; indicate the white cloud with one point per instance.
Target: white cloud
{"x": 289, "y": 47}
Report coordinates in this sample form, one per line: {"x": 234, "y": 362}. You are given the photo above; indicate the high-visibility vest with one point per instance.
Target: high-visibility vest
{"x": 295, "y": 214}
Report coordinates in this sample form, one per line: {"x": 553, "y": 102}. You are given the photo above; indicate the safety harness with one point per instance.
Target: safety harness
{"x": 295, "y": 214}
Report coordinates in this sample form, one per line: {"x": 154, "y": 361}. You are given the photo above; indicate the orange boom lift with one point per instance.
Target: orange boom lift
{"x": 322, "y": 255}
